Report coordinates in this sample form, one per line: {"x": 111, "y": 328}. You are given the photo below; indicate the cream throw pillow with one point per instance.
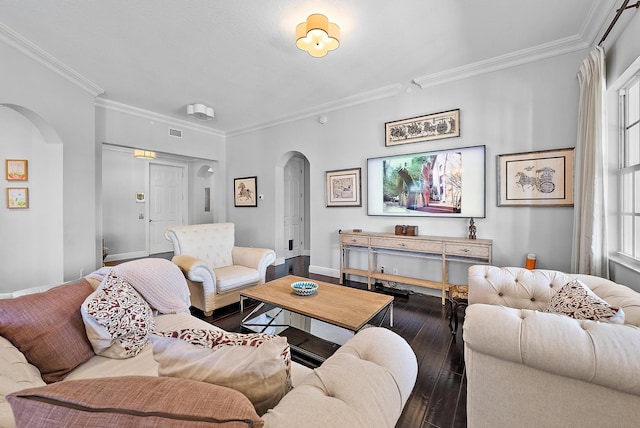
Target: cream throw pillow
{"x": 117, "y": 319}
{"x": 160, "y": 282}
{"x": 576, "y": 300}
{"x": 257, "y": 365}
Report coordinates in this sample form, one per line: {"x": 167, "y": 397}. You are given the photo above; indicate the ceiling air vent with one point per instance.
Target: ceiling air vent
{"x": 175, "y": 133}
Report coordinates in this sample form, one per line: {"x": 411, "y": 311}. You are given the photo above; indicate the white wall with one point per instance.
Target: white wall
{"x": 32, "y": 238}
{"x": 67, "y": 111}
{"x": 123, "y": 176}
{"x": 520, "y": 109}
{"x": 200, "y": 178}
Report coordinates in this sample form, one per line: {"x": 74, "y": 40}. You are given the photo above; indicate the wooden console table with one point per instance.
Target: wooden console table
{"x": 443, "y": 249}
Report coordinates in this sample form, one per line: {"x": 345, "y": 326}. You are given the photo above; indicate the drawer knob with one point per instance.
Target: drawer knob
{"x": 354, "y": 240}
{"x": 402, "y": 244}
{"x": 466, "y": 250}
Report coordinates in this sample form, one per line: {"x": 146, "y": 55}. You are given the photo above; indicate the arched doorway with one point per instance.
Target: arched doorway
{"x": 292, "y": 206}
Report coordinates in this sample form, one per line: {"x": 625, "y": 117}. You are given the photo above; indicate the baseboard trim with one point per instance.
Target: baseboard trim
{"x": 123, "y": 256}
{"x": 319, "y": 270}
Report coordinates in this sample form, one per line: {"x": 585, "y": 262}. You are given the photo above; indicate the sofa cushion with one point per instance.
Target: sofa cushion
{"x": 133, "y": 401}
{"x": 576, "y": 300}
{"x": 258, "y": 365}
{"x": 15, "y": 374}
{"x": 117, "y": 319}
{"x": 47, "y": 328}
{"x": 230, "y": 277}
{"x": 160, "y": 282}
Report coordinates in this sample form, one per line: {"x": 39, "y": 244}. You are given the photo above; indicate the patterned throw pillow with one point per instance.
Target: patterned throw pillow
{"x": 117, "y": 319}
{"x": 576, "y": 300}
{"x": 258, "y": 365}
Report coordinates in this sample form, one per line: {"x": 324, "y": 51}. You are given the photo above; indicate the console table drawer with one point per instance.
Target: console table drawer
{"x": 407, "y": 244}
{"x": 475, "y": 251}
{"x": 362, "y": 240}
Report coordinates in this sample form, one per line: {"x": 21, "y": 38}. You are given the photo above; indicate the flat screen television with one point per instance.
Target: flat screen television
{"x": 443, "y": 183}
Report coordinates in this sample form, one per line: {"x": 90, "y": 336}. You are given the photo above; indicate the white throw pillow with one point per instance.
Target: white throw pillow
{"x": 576, "y": 300}
{"x": 258, "y": 365}
{"x": 160, "y": 282}
{"x": 117, "y": 319}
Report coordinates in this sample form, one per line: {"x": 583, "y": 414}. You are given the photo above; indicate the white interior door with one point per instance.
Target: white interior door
{"x": 165, "y": 204}
{"x": 293, "y": 207}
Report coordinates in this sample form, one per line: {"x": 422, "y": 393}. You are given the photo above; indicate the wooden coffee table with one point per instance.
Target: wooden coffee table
{"x": 338, "y": 305}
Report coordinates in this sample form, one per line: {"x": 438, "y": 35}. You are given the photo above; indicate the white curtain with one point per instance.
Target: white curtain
{"x": 590, "y": 255}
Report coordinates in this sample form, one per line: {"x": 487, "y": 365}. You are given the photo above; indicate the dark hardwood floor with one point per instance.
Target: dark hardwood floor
{"x": 439, "y": 397}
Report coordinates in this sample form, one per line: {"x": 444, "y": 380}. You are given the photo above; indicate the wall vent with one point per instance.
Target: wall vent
{"x": 175, "y": 133}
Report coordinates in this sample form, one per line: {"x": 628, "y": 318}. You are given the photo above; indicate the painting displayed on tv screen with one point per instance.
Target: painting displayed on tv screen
{"x": 445, "y": 183}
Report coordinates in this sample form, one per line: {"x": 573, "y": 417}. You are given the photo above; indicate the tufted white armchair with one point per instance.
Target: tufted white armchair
{"x": 216, "y": 270}
{"x": 528, "y": 368}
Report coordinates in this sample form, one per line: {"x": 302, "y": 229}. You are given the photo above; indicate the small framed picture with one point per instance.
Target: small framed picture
{"x": 536, "y": 179}
{"x": 343, "y": 188}
{"x": 16, "y": 170}
{"x": 17, "y": 197}
{"x": 245, "y": 192}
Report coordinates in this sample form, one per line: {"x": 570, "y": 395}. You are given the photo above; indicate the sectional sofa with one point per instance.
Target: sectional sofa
{"x": 530, "y": 366}
{"x": 49, "y": 369}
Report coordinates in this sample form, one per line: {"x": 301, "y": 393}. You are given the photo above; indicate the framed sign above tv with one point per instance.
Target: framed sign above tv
{"x": 443, "y": 183}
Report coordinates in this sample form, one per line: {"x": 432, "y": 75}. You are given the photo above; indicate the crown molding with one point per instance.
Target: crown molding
{"x": 29, "y": 49}
{"x": 593, "y": 25}
{"x": 150, "y": 115}
{"x": 514, "y": 59}
{"x": 362, "y": 98}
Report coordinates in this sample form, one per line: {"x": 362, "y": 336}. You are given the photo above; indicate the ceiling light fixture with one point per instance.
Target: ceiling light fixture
{"x": 317, "y": 35}
{"x": 200, "y": 111}
{"x": 144, "y": 154}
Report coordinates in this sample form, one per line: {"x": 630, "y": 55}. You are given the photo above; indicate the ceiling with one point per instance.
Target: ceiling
{"x": 240, "y": 58}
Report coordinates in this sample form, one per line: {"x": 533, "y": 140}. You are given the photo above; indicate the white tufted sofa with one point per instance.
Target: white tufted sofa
{"x": 528, "y": 368}
{"x": 216, "y": 270}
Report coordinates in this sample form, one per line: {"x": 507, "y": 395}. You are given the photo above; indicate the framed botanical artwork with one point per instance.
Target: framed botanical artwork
{"x": 542, "y": 178}
{"x": 17, "y": 197}
{"x": 16, "y": 170}
{"x": 343, "y": 188}
{"x": 424, "y": 128}
{"x": 245, "y": 192}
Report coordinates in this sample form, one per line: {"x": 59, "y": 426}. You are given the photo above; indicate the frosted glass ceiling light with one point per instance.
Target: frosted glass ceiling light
{"x": 317, "y": 35}
{"x": 200, "y": 111}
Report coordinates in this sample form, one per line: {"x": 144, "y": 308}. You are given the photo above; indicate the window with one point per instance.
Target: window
{"x": 629, "y": 172}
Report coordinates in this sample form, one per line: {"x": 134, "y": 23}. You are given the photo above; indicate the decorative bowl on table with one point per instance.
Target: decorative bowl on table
{"x": 304, "y": 288}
